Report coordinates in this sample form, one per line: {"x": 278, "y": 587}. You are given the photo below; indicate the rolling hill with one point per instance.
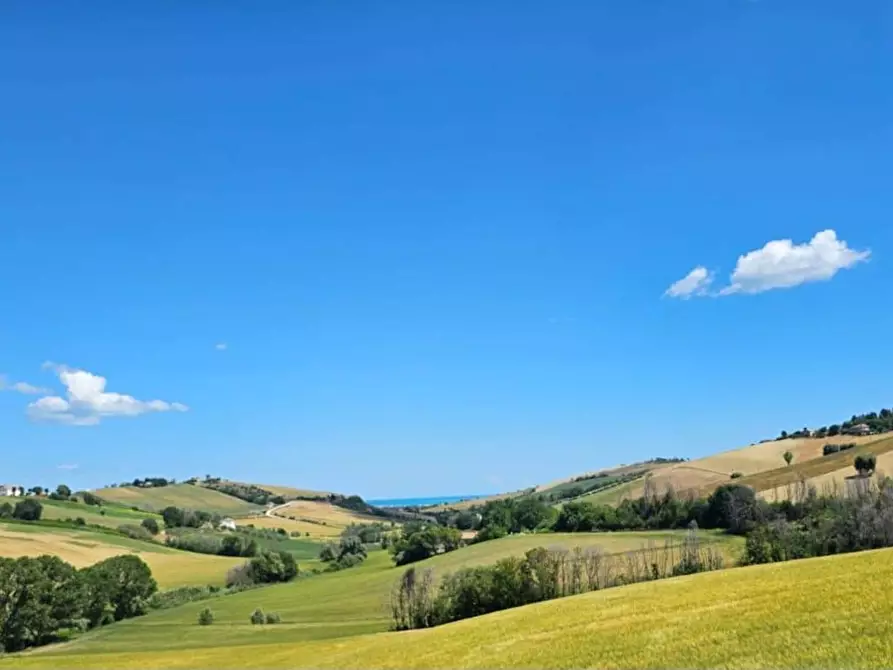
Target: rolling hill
{"x": 170, "y": 567}
{"x": 179, "y": 495}
{"x": 813, "y": 613}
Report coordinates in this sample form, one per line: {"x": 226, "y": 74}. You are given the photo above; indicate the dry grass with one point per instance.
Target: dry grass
{"x": 170, "y": 567}
{"x": 824, "y": 612}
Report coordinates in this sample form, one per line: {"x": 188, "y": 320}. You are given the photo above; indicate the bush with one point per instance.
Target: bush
{"x": 257, "y": 617}
{"x": 151, "y": 525}
{"x": 205, "y": 617}
{"x": 135, "y": 532}
{"x": 273, "y": 618}
{"x": 28, "y": 510}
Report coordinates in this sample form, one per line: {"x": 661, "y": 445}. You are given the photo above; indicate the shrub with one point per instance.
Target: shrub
{"x": 205, "y": 617}
{"x": 28, "y": 510}
{"x": 272, "y": 618}
{"x": 257, "y": 617}
{"x": 150, "y": 525}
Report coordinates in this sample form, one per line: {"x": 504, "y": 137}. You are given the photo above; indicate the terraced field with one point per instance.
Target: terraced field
{"x": 330, "y": 606}
{"x": 178, "y": 495}
{"x": 81, "y": 548}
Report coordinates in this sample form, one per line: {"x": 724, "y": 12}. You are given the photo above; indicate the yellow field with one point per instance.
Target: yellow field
{"x": 824, "y": 612}
{"x": 170, "y": 567}
{"x": 319, "y": 518}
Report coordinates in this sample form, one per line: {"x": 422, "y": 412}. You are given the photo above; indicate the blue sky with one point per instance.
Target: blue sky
{"x": 436, "y": 241}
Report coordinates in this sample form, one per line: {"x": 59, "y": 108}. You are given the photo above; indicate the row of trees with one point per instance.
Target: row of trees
{"x": 542, "y": 574}
{"x": 44, "y": 599}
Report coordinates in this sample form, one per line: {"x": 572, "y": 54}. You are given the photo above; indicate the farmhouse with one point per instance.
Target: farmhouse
{"x": 226, "y": 524}
{"x": 11, "y": 490}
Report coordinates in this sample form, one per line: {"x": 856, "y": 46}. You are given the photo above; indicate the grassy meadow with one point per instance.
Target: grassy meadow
{"x": 170, "y": 567}
{"x": 329, "y": 606}
{"x": 179, "y": 495}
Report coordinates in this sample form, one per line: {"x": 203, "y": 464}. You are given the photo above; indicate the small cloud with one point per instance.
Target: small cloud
{"x": 20, "y": 387}
{"x": 221, "y": 346}
{"x": 67, "y": 466}
{"x": 695, "y": 282}
{"x": 778, "y": 264}
{"x": 87, "y": 402}
{"x": 783, "y": 264}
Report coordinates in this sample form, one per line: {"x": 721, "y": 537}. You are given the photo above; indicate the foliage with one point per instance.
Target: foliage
{"x": 420, "y": 541}
{"x": 28, "y": 510}
{"x": 150, "y": 525}
{"x": 866, "y": 464}
{"x": 542, "y": 574}
{"x": 205, "y": 617}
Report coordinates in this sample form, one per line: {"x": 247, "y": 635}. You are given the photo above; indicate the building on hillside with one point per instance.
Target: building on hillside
{"x": 226, "y": 524}
{"x": 861, "y": 429}
{"x": 11, "y": 490}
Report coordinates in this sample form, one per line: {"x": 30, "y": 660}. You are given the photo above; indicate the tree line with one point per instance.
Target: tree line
{"x": 418, "y": 601}
{"x": 45, "y": 599}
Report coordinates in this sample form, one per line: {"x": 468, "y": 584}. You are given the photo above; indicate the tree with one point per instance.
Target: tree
{"x": 38, "y": 597}
{"x": 150, "y": 525}
{"x": 118, "y": 588}
{"x": 28, "y": 510}
{"x": 205, "y": 617}
{"x": 788, "y": 457}
{"x": 865, "y": 465}
{"x": 63, "y": 491}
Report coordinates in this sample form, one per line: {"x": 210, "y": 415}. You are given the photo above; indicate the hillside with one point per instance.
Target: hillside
{"x": 333, "y": 605}
{"x": 81, "y": 548}
{"x": 813, "y": 613}
{"x": 179, "y": 495}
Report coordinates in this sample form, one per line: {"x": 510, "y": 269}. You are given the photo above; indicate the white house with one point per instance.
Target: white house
{"x": 226, "y": 524}
{"x": 11, "y": 490}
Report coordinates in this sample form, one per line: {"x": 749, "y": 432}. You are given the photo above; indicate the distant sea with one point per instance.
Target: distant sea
{"x": 421, "y": 502}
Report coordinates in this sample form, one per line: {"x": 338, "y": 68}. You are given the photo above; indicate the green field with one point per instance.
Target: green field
{"x": 823, "y": 612}
{"x": 114, "y": 516}
{"x": 329, "y": 606}
{"x": 179, "y": 495}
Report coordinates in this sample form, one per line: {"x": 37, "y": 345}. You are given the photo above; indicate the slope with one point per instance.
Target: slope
{"x": 170, "y": 567}
{"x": 332, "y": 605}
{"x": 820, "y": 612}
{"x": 178, "y": 495}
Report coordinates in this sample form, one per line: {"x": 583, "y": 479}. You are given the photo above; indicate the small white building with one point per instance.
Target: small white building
{"x": 226, "y": 524}
{"x": 11, "y": 490}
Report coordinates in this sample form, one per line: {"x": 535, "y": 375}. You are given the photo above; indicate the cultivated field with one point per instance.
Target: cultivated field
{"x": 330, "y": 606}
{"x": 178, "y": 495}
{"x": 113, "y": 517}
{"x": 81, "y": 548}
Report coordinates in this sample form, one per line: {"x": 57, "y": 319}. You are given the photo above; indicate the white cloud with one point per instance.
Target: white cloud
{"x": 779, "y": 264}
{"x": 20, "y": 387}
{"x": 783, "y": 264}
{"x": 695, "y": 282}
{"x": 220, "y": 346}
{"x": 87, "y": 402}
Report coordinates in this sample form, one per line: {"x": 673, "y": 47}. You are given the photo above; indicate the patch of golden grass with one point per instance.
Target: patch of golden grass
{"x": 171, "y": 568}
{"x": 824, "y": 612}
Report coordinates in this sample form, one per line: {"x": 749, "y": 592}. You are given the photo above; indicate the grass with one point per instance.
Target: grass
{"x": 337, "y": 605}
{"x": 179, "y": 495}
{"x": 823, "y": 612}
{"x": 114, "y": 515}
{"x": 170, "y": 567}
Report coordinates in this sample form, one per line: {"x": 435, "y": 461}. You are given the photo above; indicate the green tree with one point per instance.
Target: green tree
{"x": 788, "y": 457}
{"x": 150, "y": 525}
{"x": 28, "y": 510}
{"x": 118, "y": 588}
